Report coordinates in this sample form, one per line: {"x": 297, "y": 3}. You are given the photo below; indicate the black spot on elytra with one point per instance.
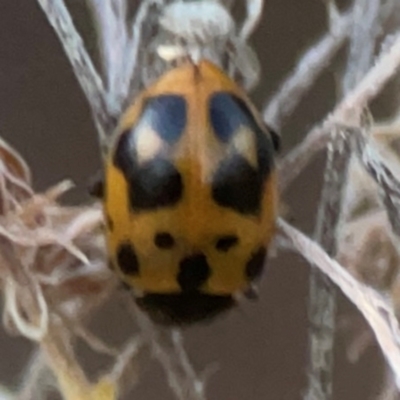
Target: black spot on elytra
{"x": 237, "y": 185}
{"x": 255, "y": 265}
{"x": 193, "y": 272}
{"x": 156, "y": 183}
{"x": 152, "y": 184}
{"x": 164, "y": 240}
{"x": 127, "y": 259}
{"x": 166, "y": 115}
{"x": 228, "y": 113}
{"x": 224, "y": 243}
{"x": 183, "y": 308}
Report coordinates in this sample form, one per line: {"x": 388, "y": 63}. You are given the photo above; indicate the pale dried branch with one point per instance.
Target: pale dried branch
{"x": 125, "y": 372}
{"x": 40, "y": 238}
{"x": 95, "y": 343}
{"x": 306, "y": 72}
{"x": 89, "y": 79}
{"x": 57, "y": 347}
{"x": 121, "y": 41}
{"x": 376, "y": 163}
{"x": 384, "y": 69}
{"x": 376, "y": 310}
{"x": 322, "y": 296}
{"x": 36, "y": 378}
{"x": 367, "y": 249}
{"x": 373, "y": 82}
{"x": 313, "y": 62}
{"x": 334, "y": 178}
{"x": 113, "y": 41}
{"x": 254, "y": 14}
{"x": 322, "y": 299}
{"x": 365, "y": 29}
{"x": 167, "y": 348}
{"x": 141, "y": 36}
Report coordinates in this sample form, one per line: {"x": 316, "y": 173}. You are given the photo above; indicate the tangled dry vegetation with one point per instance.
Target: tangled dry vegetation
{"x": 52, "y": 257}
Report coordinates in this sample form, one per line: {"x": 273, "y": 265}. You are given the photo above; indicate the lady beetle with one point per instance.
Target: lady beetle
{"x": 190, "y": 194}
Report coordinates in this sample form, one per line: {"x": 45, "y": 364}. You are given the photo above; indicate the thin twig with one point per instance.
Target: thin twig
{"x": 364, "y": 32}
{"x": 33, "y": 378}
{"x": 141, "y": 36}
{"x": 168, "y": 349}
{"x": 58, "y": 351}
{"x": 306, "y": 72}
{"x": 92, "y": 341}
{"x": 90, "y": 81}
{"x": 254, "y": 14}
{"x": 322, "y": 296}
{"x": 322, "y": 300}
{"x": 388, "y": 182}
{"x": 373, "y": 82}
{"x": 125, "y": 372}
{"x": 113, "y": 43}
{"x": 371, "y": 304}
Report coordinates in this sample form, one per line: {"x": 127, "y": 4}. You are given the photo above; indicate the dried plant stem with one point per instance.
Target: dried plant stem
{"x": 92, "y": 341}
{"x": 69, "y": 374}
{"x": 125, "y": 371}
{"x": 113, "y": 40}
{"x": 372, "y": 83}
{"x": 72, "y": 380}
{"x": 370, "y": 303}
{"x": 365, "y": 28}
{"x": 254, "y": 14}
{"x": 297, "y": 159}
{"x": 167, "y": 348}
{"x": 90, "y": 81}
{"x": 306, "y": 72}
{"x": 122, "y": 42}
{"x": 322, "y": 300}
{"x": 33, "y": 377}
{"x": 141, "y": 34}
{"x": 389, "y": 184}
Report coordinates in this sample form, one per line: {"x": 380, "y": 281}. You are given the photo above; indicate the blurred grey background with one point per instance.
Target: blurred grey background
{"x": 261, "y": 348}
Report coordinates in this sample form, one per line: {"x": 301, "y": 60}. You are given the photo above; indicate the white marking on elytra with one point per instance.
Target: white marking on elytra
{"x": 243, "y": 142}
{"x": 147, "y": 142}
